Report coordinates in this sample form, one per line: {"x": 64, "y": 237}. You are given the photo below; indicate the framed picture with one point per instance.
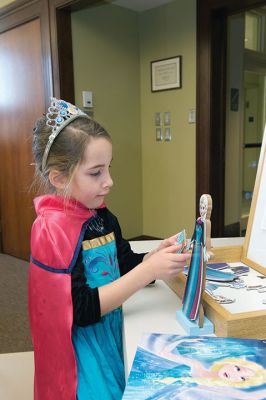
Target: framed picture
{"x": 166, "y": 74}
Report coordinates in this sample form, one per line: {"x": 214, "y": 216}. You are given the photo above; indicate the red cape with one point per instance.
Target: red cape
{"x": 56, "y": 239}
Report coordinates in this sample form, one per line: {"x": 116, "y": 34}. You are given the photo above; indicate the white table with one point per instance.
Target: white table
{"x": 16, "y": 376}
{"x": 152, "y": 309}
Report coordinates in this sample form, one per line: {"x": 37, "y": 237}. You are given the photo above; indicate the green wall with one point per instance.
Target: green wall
{"x": 154, "y": 190}
{"x": 169, "y": 167}
{"x": 106, "y": 61}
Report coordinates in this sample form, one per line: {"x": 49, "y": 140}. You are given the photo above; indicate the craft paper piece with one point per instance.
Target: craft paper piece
{"x": 173, "y": 367}
{"x": 216, "y": 275}
{"x": 240, "y": 269}
{"x": 181, "y": 239}
{"x": 218, "y": 266}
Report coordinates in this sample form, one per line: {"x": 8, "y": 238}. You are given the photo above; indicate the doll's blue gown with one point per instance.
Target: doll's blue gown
{"x": 98, "y": 347}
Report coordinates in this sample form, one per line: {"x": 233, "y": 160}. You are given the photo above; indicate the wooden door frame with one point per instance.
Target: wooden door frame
{"x": 61, "y": 44}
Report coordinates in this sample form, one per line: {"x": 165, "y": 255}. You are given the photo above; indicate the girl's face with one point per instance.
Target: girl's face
{"x": 92, "y": 181}
{"x": 235, "y": 373}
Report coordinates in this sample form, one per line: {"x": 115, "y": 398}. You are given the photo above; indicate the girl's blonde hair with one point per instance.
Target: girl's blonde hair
{"x": 67, "y": 150}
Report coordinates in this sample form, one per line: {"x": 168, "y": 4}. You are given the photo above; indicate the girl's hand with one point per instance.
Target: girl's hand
{"x": 173, "y": 240}
{"x": 167, "y": 242}
{"x": 164, "y": 244}
{"x": 166, "y": 263}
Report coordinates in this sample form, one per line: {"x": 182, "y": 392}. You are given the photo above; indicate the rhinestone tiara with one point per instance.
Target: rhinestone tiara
{"x": 59, "y": 115}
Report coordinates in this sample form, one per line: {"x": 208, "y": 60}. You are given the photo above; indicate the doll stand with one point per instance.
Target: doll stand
{"x": 192, "y": 327}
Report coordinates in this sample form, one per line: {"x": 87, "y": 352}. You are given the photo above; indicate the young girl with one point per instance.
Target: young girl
{"x": 81, "y": 268}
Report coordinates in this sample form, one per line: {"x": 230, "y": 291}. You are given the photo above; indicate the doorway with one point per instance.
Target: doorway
{"x": 245, "y": 114}
{"x": 114, "y": 63}
{"x": 212, "y": 101}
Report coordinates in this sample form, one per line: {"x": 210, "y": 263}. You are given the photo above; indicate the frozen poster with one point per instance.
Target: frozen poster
{"x": 173, "y": 367}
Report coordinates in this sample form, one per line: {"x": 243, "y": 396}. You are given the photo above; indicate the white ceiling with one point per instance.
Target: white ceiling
{"x": 140, "y": 5}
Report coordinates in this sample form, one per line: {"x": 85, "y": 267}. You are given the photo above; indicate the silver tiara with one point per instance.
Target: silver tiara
{"x": 60, "y": 114}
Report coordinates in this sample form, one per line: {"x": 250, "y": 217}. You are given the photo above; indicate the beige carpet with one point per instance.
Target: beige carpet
{"x": 14, "y": 324}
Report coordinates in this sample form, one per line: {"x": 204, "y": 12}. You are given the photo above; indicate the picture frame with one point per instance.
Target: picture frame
{"x": 166, "y": 74}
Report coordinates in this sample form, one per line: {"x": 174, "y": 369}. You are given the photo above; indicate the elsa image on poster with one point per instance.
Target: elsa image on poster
{"x": 192, "y": 368}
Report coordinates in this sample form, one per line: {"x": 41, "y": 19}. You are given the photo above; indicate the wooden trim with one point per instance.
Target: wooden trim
{"x": 1, "y": 236}
{"x": 62, "y": 56}
{"x": 210, "y": 131}
{"x": 252, "y": 264}
{"x": 15, "y": 6}
{"x": 54, "y": 50}
{"x": 61, "y": 43}
{"x": 230, "y": 253}
{"x": 18, "y": 13}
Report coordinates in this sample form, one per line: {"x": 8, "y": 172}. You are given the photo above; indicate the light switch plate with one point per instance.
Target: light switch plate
{"x": 159, "y": 134}
{"x": 192, "y": 116}
{"x": 87, "y": 99}
{"x": 167, "y": 134}
{"x": 157, "y": 119}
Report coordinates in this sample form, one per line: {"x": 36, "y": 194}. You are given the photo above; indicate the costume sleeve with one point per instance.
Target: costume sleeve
{"x": 127, "y": 259}
{"x": 86, "y": 303}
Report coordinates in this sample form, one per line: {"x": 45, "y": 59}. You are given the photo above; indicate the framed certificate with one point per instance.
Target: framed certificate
{"x": 166, "y": 74}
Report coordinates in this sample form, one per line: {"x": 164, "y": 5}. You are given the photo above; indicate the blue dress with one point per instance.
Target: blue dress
{"x": 195, "y": 279}
{"x": 98, "y": 347}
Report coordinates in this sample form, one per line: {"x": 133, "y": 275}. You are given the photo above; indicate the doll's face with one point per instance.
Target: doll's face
{"x": 203, "y": 206}
{"x": 235, "y": 373}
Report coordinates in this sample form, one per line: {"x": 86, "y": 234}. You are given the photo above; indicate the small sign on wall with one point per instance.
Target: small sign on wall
{"x": 234, "y": 99}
